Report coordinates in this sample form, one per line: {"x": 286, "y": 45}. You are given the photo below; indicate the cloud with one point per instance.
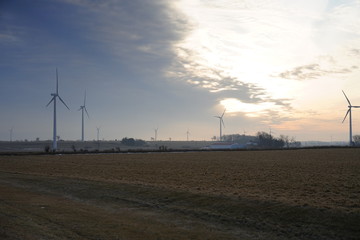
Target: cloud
{"x": 137, "y": 35}
{"x": 345, "y": 18}
{"x": 136, "y": 32}
{"x": 212, "y": 79}
{"x": 271, "y": 111}
{"x": 311, "y": 71}
{"x": 233, "y": 48}
{"x": 8, "y": 37}
{"x": 355, "y": 51}
{"x": 249, "y": 41}
{"x": 238, "y": 97}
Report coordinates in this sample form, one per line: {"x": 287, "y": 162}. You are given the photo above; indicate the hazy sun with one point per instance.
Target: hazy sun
{"x": 233, "y": 105}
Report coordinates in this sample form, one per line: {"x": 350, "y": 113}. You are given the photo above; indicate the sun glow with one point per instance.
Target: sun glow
{"x": 249, "y": 41}
{"x": 233, "y": 105}
{"x": 277, "y": 60}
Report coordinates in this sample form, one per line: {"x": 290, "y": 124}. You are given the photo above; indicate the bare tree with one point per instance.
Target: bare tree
{"x": 356, "y": 139}
{"x": 286, "y": 140}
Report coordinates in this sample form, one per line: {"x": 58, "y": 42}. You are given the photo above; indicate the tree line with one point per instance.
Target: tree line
{"x": 263, "y": 140}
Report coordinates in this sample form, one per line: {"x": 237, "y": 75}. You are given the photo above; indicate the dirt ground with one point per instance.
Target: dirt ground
{"x": 288, "y": 194}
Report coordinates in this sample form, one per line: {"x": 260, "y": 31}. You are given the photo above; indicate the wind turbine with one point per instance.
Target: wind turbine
{"x": 82, "y": 108}
{"x": 98, "y": 133}
{"x": 221, "y": 123}
{"x": 11, "y": 133}
{"x": 187, "y": 135}
{"x": 53, "y": 99}
{"x": 156, "y": 130}
{"x": 350, "y": 119}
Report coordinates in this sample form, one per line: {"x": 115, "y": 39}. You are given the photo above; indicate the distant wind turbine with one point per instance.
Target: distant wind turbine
{"x": 271, "y": 132}
{"x": 187, "y": 135}
{"x": 350, "y": 119}
{"x": 98, "y": 132}
{"x": 83, "y": 108}
{"x": 11, "y": 133}
{"x": 53, "y": 99}
{"x": 221, "y": 123}
{"x": 156, "y": 130}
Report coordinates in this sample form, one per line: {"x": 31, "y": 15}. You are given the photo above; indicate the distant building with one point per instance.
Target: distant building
{"x": 251, "y": 144}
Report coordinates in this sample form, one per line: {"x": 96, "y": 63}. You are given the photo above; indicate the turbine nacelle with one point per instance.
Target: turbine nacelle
{"x": 83, "y": 107}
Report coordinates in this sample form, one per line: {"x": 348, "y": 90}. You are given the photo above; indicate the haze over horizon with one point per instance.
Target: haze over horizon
{"x": 174, "y": 65}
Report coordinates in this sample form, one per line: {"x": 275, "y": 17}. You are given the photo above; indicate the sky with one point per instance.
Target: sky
{"x": 274, "y": 65}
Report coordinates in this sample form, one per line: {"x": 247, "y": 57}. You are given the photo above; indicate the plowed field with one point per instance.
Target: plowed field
{"x": 289, "y": 194}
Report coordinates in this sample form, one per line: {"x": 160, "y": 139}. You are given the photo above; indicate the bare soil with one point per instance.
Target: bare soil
{"x": 288, "y": 194}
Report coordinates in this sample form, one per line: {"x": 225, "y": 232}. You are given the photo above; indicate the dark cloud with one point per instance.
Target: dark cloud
{"x": 136, "y": 32}
{"x": 308, "y": 72}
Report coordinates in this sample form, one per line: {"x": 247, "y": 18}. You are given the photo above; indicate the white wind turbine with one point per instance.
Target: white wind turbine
{"x": 350, "y": 119}
{"x": 83, "y": 108}
{"x": 98, "y": 133}
{"x": 53, "y": 99}
{"x": 156, "y": 131}
{"x": 187, "y": 135}
{"x": 221, "y": 123}
{"x": 11, "y": 133}
{"x": 98, "y": 139}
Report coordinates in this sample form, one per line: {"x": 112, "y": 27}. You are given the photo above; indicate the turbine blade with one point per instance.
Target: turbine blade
{"x": 222, "y": 121}
{"x": 346, "y": 114}
{"x": 346, "y": 98}
{"x": 84, "y": 98}
{"x": 63, "y": 103}
{"x": 80, "y": 108}
{"x": 223, "y": 113}
{"x": 86, "y": 112}
{"x": 355, "y": 106}
{"x": 52, "y": 99}
{"x": 57, "y": 82}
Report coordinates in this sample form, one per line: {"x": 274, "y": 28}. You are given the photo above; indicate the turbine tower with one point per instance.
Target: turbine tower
{"x": 98, "y": 132}
{"x": 11, "y": 133}
{"x": 53, "y": 99}
{"x": 83, "y": 108}
{"x": 156, "y": 130}
{"x": 187, "y": 135}
{"x": 350, "y": 119}
{"x": 221, "y": 123}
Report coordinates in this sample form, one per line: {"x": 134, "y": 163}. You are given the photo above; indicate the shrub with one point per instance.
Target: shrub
{"x": 47, "y": 148}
